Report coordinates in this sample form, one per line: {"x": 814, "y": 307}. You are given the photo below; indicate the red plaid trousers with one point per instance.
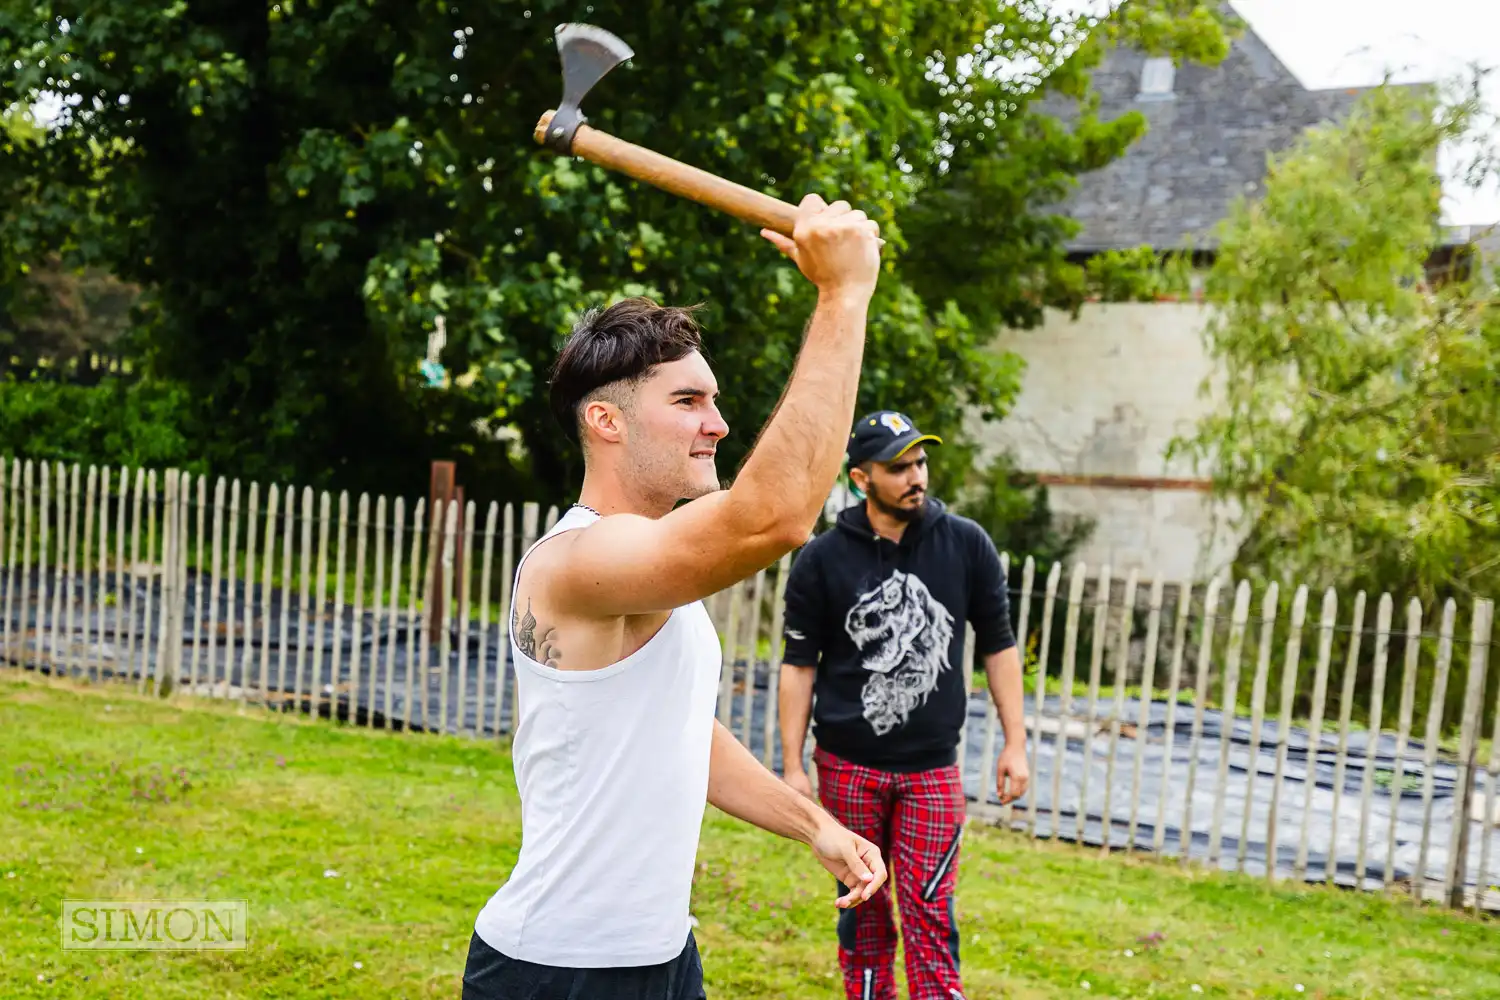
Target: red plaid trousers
{"x": 917, "y": 822}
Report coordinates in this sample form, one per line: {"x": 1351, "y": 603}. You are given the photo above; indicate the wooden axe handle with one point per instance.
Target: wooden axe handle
{"x": 678, "y": 178}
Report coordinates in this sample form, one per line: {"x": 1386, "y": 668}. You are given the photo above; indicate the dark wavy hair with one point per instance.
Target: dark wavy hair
{"x": 614, "y": 348}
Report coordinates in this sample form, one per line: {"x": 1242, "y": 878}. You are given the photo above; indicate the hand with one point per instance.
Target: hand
{"x": 836, "y": 247}
{"x": 852, "y": 859}
{"x": 799, "y": 782}
{"x": 1012, "y": 765}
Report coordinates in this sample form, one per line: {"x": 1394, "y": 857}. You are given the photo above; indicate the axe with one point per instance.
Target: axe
{"x": 587, "y": 54}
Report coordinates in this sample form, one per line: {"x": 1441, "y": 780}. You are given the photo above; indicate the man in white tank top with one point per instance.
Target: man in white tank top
{"x": 616, "y": 746}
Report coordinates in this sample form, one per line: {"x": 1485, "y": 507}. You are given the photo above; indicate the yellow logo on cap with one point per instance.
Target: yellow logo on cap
{"x": 895, "y": 423}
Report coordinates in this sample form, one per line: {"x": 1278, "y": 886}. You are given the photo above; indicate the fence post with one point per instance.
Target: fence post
{"x": 1430, "y": 742}
{"x": 201, "y": 584}
{"x": 1238, "y": 624}
{"x": 1288, "y": 691}
{"x": 1383, "y": 613}
{"x": 1049, "y": 603}
{"x": 85, "y": 559}
{"x": 502, "y": 653}
{"x": 1491, "y": 800}
{"x": 752, "y": 651}
{"x": 320, "y": 609}
{"x": 216, "y": 580}
{"x": 336, "y": 639}
{"x": 462, "y": 589}
{"x": 1122, "y": 677}
{"x": 44, "y": 499}
{"x": 988, "y": 758}
{"x": 486, "y": 572}
{"x": 150, "y": 582}
{"x": 25, "y": 525}
{"x": 377, "y": 616}
{"x": 1341, "y": 762}
{"x": 773, "y": 682}
{"x": 1143, "y": 716}
{"x": 304, "y": 582}
{"x": 442, "y": 481}
{"x": 1468, "y": 753}
{"x": 398, "y": 525}
{"x": 70, "y": 577}
{"x": 288, "y": 536}
{"x": 416, "y": 645}
{"x": 445, "y": 595}
{"x": 245, "y": 654}
{"x": 7, "y": 552}
{"x": 1076, "y": 581}
{"x": 1203, "y": 669}
{"x": 1091, "y": 719}
{"x": 231, "y": 599}
{"x": 963, "y": 733}
{"x": 59, "y": 569}
{"x": 167, "y": 618}
{"x": 1403, "y": 732}
{"x": 357, "y": 617}
{"x": 1269, "y": 608}
{"x": 273, "y": 497}
{"x": 731, "y": 652}
{"x": 1326, "y": 625}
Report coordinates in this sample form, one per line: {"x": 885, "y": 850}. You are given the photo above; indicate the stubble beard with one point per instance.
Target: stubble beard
{"x": 899, "y": 513}
{"x": 665, "y": 479}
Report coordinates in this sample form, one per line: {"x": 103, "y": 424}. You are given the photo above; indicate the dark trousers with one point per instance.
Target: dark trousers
{"x": 489, "y": 975}
{"x": 917, "y": 822}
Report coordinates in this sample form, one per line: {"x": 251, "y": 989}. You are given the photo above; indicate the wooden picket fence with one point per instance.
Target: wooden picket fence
{"x": 379, "y": 613}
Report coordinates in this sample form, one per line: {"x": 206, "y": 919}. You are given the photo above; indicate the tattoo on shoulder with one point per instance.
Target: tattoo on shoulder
{"x": 543, "y": 649}
{"x": 525, "y": 629}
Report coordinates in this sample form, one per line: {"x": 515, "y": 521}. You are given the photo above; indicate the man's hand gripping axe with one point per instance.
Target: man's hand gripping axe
{"x": 587, "y": 54}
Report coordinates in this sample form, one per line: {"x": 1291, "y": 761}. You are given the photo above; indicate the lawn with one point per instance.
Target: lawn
{"x": 364, "y": 857}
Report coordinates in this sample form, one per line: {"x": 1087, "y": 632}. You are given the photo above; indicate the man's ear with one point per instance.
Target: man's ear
{"x": 604, "y": 420}
{"x": 859, "y": 481}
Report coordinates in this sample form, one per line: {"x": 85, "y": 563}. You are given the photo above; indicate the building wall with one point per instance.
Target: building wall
{"x": 1102, "y": 396}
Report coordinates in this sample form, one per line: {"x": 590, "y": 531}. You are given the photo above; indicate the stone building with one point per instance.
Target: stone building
{"x": 1104, "y": 393}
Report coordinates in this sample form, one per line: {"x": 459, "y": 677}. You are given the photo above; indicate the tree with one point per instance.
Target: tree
{"x": 304, "y": 189}
{"x": 48, "y": 310}
{"x": 1359, "y": 414}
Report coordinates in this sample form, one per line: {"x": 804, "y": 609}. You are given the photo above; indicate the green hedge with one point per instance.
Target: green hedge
{"x": 117, "y": 422}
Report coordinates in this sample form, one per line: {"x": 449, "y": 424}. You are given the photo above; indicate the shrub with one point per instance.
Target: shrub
{"x": 118, "y": 422}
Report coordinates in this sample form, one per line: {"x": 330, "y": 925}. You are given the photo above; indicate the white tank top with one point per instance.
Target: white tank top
{"x": 612, "y": 766}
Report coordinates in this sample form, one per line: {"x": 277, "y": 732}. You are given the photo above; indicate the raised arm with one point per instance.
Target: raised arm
{"x": 629, "y": 565}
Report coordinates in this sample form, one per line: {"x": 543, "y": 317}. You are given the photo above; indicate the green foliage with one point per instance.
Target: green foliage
{"x": 118, "y": 422}
{"x": 1358, "y": 422}
{"x": 1139, "y": 274}
{"x": 56, "y": 313}
{"x": 304, "y": 189}
{"x": 1015, "y": 510}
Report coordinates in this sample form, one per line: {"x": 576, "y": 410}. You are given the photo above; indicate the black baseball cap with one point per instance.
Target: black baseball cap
{"x": 884, "y": 436}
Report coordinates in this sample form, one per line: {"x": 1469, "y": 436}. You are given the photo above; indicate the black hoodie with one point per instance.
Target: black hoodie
{"x": 883, "y": 623}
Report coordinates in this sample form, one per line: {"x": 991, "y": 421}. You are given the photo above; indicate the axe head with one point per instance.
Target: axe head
{"x": 587, "y": 54}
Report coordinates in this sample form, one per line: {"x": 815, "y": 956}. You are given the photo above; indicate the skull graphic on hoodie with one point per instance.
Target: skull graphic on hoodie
{"x": 903, "y": 634}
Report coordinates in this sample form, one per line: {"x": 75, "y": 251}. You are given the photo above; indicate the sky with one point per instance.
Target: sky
{"x": 1343, "y": 43}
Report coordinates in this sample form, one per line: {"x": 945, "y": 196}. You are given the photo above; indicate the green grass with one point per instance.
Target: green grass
{"x": 110, "y": 795}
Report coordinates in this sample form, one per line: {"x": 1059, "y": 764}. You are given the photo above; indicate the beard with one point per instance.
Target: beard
{"x": 668, "y": 477}
{"x": 894, "y": 509}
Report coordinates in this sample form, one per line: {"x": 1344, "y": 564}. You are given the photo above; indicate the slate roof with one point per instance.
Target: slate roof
{"x": 1206, "y": 145}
